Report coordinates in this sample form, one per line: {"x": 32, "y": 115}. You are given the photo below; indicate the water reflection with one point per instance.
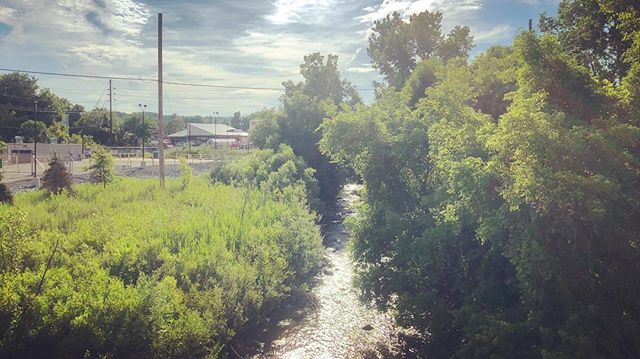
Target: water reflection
{"x": 332, "y": 323}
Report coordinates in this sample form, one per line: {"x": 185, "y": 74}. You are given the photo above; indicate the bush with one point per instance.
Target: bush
{"x": 56, "y": 178}
{"x": 273, "y": 171}
{"x": 5, "y": 193}
{"x": 131, "y": 271}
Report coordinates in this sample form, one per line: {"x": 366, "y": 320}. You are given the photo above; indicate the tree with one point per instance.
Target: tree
{"x": 102, "y": 169}
{"x": 597, "y": 32}
{"x": 305, "y": 105}
{"x": 96, "y": 124}
{"x": 19, "y": 94}
{"x": 395, "y": 45}
{"x": 59, "y": 131}
{"x": 33, "y": 131}
{"x": 133, "y": 131}
{"x": 57, "y": 177}
{"x": 458, "y": 43}
{"x": 175, "y": 123}
{"x": 265, "y": 132}
{"x": 495, "y": 77}
{"x": 237, "y": 121}
{"x": 500, "y": 216}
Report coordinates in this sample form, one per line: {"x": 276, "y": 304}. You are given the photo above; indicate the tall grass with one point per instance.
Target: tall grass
{"x": 133, "y": 271}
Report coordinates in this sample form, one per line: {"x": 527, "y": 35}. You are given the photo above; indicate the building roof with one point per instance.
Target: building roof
{"x": 208, "y": 130}
{"x": 182, "y": 133}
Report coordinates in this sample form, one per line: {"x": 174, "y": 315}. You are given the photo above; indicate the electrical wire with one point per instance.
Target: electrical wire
{"x": 142, "y": 79}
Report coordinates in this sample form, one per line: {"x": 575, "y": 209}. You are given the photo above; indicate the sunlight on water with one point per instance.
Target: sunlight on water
{"x": 340, "y": 326}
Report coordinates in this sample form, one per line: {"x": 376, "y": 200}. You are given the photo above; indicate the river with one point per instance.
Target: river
{"x": 332, "y": 322}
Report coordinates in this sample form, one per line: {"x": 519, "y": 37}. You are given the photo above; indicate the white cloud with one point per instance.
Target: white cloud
{"x": 492, "y": 34}
{"x": 450, "y": 8}
{"x": 303, "y": 11}
{"x": 264, "y": 48}
{"x": 361, "y": 69}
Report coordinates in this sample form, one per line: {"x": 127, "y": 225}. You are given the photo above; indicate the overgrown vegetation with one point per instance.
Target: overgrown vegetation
{"x": 131, "y": 271}
{"x": 501, "y": 217}
{"x": 280, "y": 173}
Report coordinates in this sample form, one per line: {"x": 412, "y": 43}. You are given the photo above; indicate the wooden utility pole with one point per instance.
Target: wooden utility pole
{"x": 35, "y": 145}
{"x": 530, "y": 25}
{"x": 110, "y": 111}
{"x": 160, "y": 115}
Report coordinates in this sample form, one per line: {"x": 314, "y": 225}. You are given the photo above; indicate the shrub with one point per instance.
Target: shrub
{"x": 186, "y": 173}
{"x": 272, "y": 171}
{"x": 56, "y": 178}
{"x": 5, "y": 193}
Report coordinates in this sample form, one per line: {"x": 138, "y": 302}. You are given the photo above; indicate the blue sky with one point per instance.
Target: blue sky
{"x": 256, "y": 43}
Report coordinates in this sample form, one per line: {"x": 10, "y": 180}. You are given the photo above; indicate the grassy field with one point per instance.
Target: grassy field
{"x": 133, "y": 271}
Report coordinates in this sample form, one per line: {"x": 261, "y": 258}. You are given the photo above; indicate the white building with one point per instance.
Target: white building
{"x": 219, "y": 134}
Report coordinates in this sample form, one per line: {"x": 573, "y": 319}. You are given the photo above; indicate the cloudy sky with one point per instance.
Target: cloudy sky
{"x": 252, "y": 43}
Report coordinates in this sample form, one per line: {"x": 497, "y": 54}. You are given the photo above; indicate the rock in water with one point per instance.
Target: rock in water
{"x": 367, "y": 327}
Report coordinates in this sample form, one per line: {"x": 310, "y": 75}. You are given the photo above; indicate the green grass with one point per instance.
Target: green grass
{"x": 139, "y": 272}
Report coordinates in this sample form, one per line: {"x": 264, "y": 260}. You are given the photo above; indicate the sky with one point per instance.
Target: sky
{"x": 245, "y": 43}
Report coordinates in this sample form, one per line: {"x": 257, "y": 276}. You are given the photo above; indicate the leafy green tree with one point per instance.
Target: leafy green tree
{"x": 96, "y": 124}
{"x": 421, "y": 78}
{"x": 101, "y": 170}
{"x": 19, "y": 94}
{"x": 34, "y": 131}
{"x": 237, "y": 121}
{"x": 57, "y": 177}
{"x": 304, "y": 106}
{"x": 60, "y": 131}
{"x": 265, "y": 133}
{"x": 499, "y": 216}
{"x": 395, "y": 45}
{"x": 597, "y": 32}
{"x": 133, "y": 130}
{"x": 495, "y": 77}
{"x": 175, "y": 123}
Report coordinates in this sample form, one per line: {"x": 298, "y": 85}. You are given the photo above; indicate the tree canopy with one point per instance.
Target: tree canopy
{"x": 396, "y": 45}
{"x": 500, "y": 214}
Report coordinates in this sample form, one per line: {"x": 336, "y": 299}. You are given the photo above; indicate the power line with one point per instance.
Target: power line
{"x": 22, "y": 97}
{"x": 191, "y": 84}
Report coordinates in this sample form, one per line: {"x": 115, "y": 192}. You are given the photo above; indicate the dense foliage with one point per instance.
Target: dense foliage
{"x": 502, "y": 226}
{"x": 279, "y": 172}
{"x": 396, "y": 44}
{"x": 131, "y": 271}
{"x": 304, "y": 105}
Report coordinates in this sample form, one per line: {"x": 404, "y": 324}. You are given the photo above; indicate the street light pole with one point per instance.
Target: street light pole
{"x": 144, "y": 129}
